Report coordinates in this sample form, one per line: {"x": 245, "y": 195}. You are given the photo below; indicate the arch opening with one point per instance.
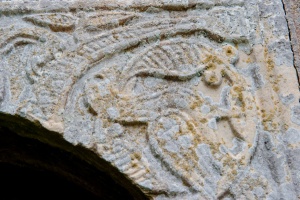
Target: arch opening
{"x": 37, "y": 163}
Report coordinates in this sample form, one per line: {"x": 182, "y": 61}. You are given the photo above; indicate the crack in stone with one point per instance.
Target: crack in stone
{"x": 290, "y": 39}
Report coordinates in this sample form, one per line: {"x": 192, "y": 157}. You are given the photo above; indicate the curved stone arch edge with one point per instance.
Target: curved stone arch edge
{"x": 35, "y": 131}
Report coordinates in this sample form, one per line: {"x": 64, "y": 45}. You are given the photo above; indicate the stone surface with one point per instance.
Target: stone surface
{"x": 190, "y": 99}
{"x": 292, "y": 9}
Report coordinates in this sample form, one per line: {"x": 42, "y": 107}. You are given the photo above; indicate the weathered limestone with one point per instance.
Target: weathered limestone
{"x": 189, "y": 99}
{"x": 292, "y": 9}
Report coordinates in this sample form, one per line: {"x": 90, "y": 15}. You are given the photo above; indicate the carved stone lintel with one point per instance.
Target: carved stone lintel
{"x": 188, "y": 99}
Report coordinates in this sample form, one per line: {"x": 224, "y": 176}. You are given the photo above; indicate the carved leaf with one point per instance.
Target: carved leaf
{"x": 178, "y": 61}
{"x": 55, "y": 21}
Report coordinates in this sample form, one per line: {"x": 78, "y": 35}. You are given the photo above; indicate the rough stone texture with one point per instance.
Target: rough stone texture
{"x": 189, "y": 99}
{"x": 292, "y": 9}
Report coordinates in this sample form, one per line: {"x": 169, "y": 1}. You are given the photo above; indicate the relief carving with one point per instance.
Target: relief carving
{"x": 183, "y": 98}
{"x": 189, "y": 98}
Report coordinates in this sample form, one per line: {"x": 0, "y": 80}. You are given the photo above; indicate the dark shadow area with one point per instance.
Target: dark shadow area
{"x": 33, "y": 169}
{"x": 27, "y": 183}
